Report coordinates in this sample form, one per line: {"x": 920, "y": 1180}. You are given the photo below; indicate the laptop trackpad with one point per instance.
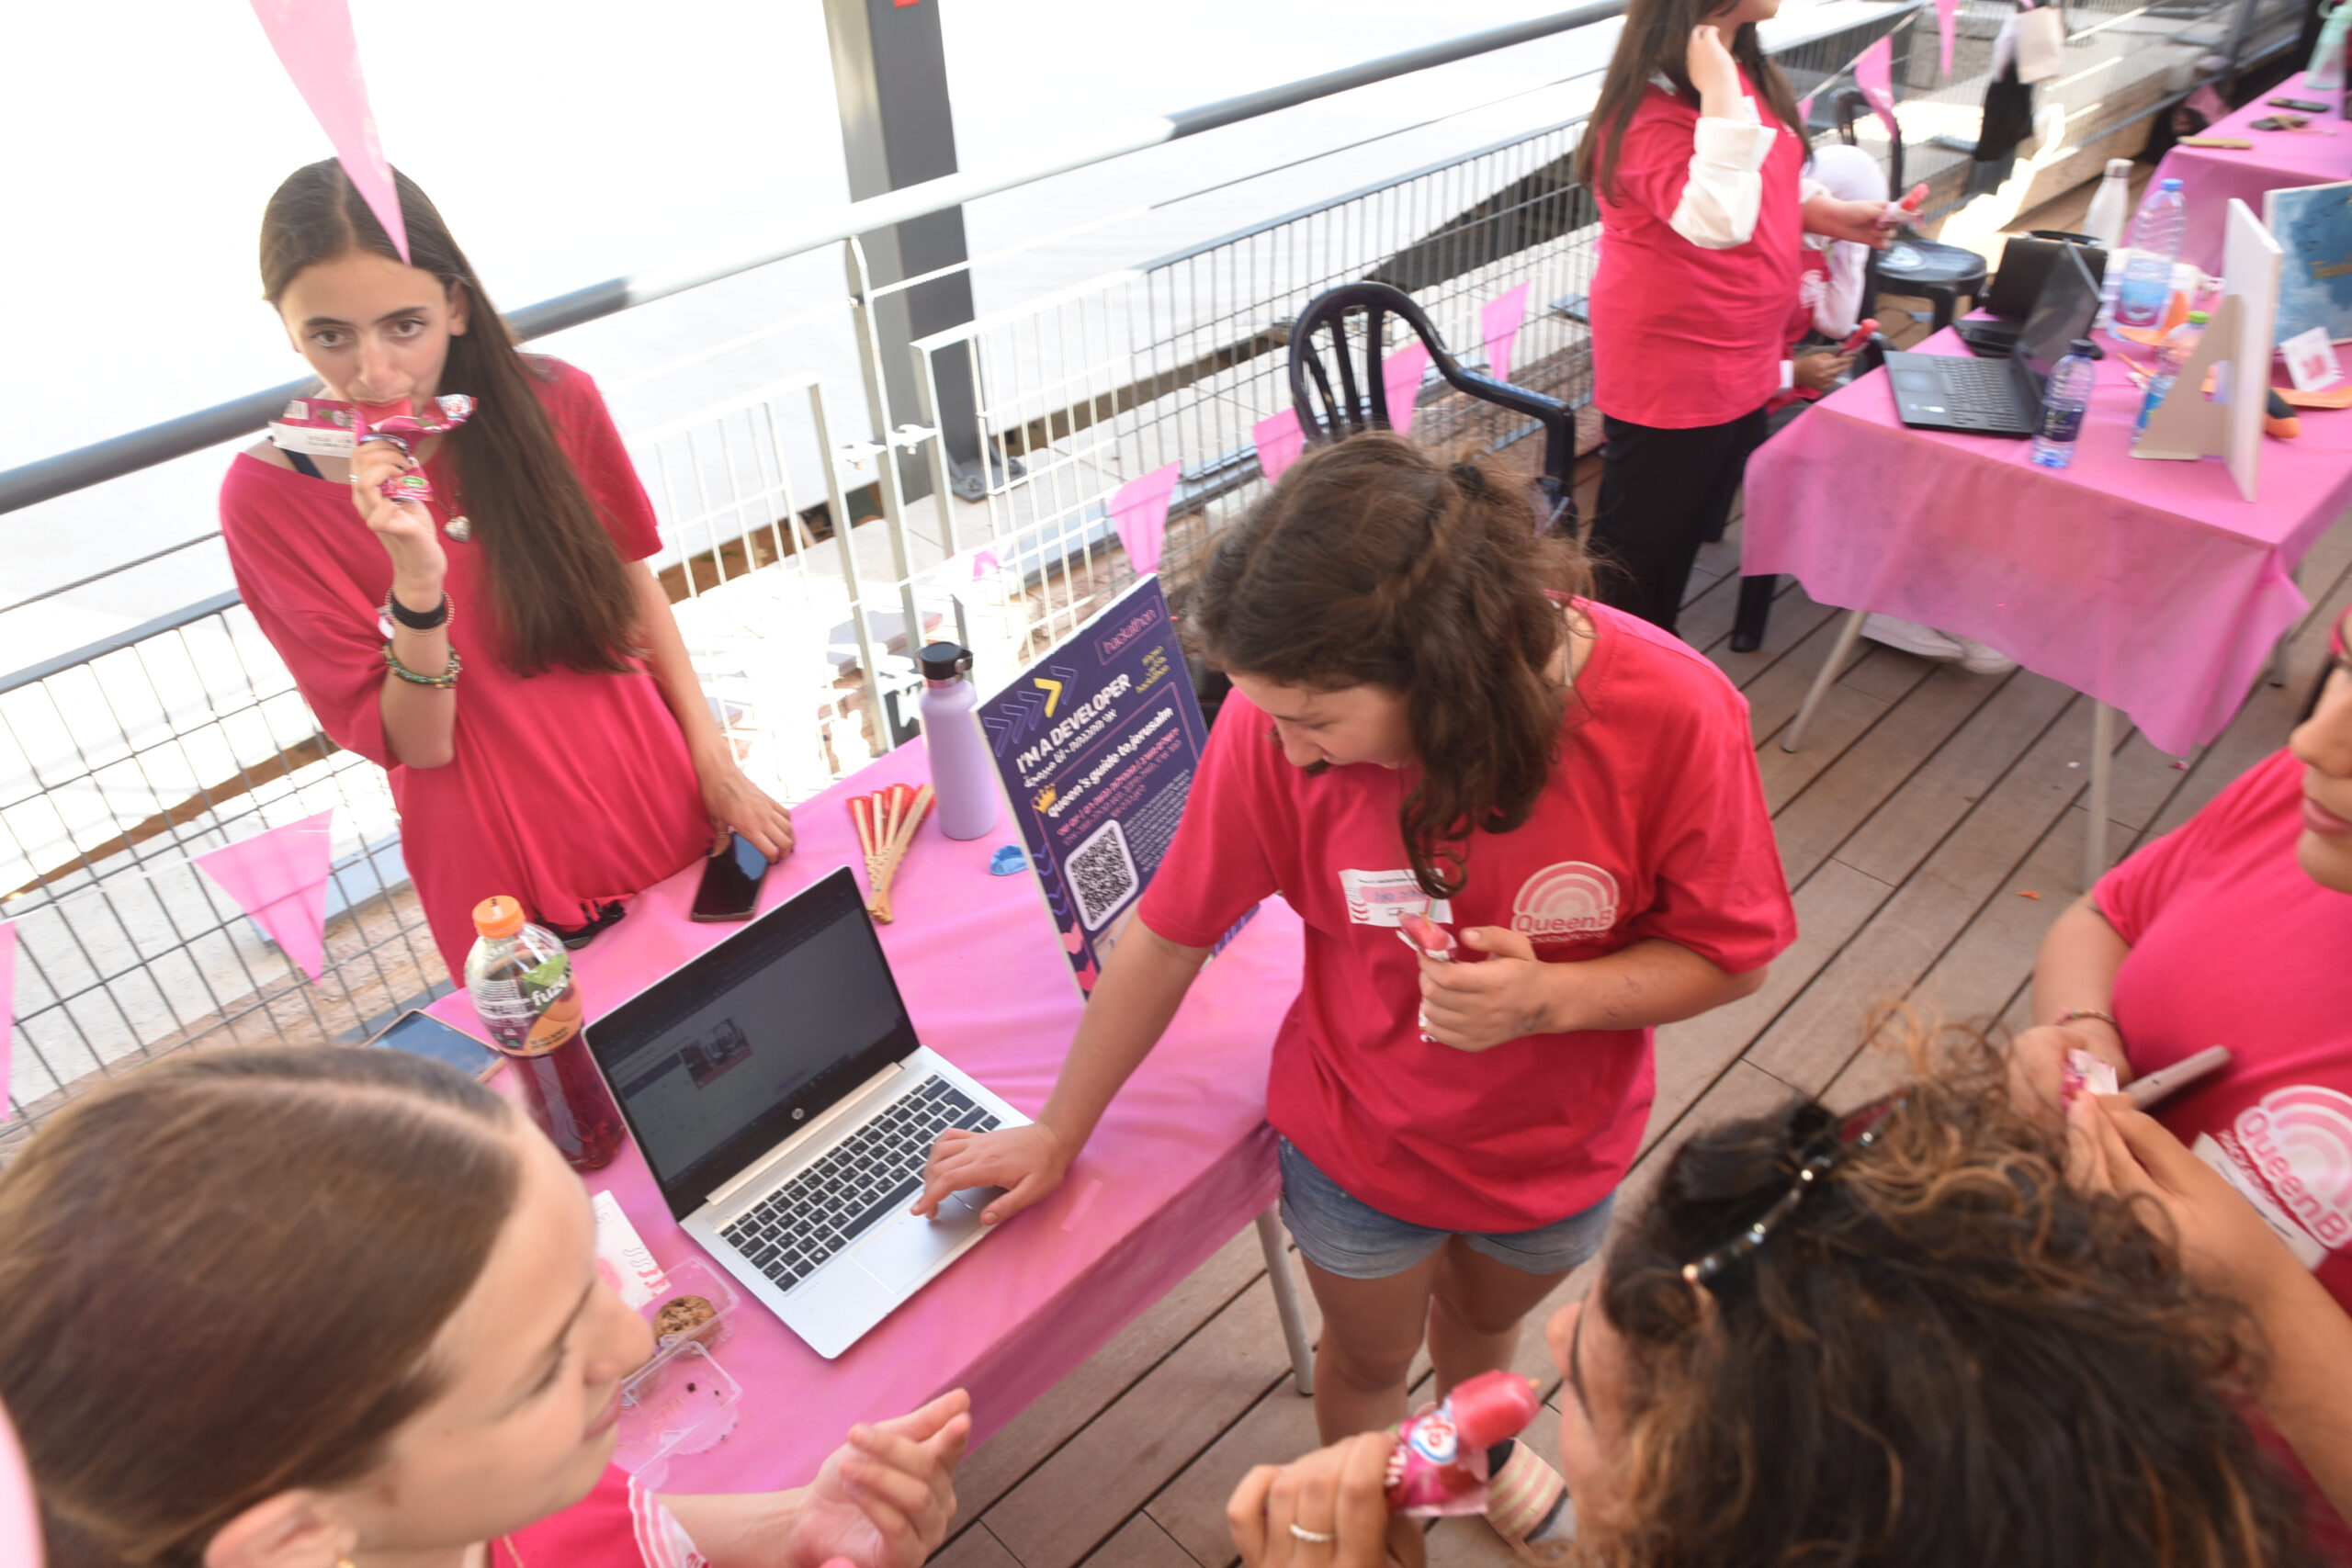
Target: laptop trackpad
{"x": 906, "y": 1248}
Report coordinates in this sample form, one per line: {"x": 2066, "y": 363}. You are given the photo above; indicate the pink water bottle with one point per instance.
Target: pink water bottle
{"x": 963, "y": 774}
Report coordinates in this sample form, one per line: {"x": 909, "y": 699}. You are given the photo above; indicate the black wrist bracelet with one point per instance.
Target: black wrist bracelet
{"x": 417, "y": 620}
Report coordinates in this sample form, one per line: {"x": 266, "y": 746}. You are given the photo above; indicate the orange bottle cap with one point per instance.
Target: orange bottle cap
{"x": 500, "y": 916}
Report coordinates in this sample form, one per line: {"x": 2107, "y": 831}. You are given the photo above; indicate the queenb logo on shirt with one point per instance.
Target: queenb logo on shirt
{"x": 2294, "y": 1151}
{"x": 1566, "y": 902}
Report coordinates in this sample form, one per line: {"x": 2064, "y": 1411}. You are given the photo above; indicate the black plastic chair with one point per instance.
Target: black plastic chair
{"x": 1361, "y": 405}
{"x": 1923, "y": 269}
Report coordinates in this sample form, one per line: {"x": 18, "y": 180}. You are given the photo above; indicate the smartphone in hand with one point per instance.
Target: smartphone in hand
{"x": 731, "y": 882}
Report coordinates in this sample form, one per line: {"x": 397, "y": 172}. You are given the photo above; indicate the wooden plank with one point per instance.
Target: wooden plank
{"x": 1904, "y": 831}
{"x": 1974, "y": 980}
{"x": 1078, "y": 1499}
{"x": 1813, "y": 1040}
{"x": 1845, "y": 715}
{"x": 1141, "y": 1544}
{"x": 1841, "y": 797}
{"x": 975, "y": 1547}
{"x": 1794, "y": 618}
{"x": 1025, "y": 1442}
{"x": 1693, "y": 1054}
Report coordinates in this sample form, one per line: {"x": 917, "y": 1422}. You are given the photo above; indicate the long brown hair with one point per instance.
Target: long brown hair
{"x": 1656, "y": 42}
{"x": 222, "y": 1276}
{"x": 562, "y": 590}
{"x": 1374, "y": 563}
{"x": 1945, "y": 1356}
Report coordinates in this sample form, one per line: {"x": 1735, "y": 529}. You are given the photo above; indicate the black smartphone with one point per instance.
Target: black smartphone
{"x": 422, "y": 1034}
{"x": 731, "y": 882}
{"x": 2306, "y": 105}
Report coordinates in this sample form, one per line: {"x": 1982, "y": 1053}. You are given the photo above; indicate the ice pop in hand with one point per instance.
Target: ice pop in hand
{"x": 1906, "y": 210}
{"x": 1426, "y": 937}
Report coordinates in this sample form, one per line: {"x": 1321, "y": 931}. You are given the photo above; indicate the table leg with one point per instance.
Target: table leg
{"x": 1275, "y": 1243}
{"x": 2102, "y": 782}
{"x": 1830, "y": 668}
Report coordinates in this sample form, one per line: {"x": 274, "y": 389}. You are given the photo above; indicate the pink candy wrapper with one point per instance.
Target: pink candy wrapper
{"x": 323, "y": 427}
{"x": 1440, "y": 1463}
{"x": 2085, "y": 1074}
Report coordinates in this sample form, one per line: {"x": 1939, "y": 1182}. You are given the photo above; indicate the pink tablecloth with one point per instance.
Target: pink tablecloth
{"x": 2150, "y": 585}
{"x": 2209, "y": 176}
{"x": 1181, "y": 1162}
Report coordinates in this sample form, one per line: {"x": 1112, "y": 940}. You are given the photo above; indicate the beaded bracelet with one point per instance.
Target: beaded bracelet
{"x": 439, "y": 615}
{"x": 446, "y": 679}
{"x": 2070, "y": 1014}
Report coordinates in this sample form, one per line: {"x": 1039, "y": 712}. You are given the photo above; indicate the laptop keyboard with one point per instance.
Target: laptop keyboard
{"x": 874, "y": 1172}
{"x": 1981, "y": 392}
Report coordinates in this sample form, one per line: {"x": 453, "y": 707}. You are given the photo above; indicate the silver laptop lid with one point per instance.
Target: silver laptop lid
{"x": 723, "y": 1058}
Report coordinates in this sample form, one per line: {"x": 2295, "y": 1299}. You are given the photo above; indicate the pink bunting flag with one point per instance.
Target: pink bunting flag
{"x": 969, "y": 566}
{"x": 1874, "y": 75}
{"x": 280, "y": 878}
{"x": 21, "y": 1527}
{"x": 1401, "y": 373}
{"x": 1139, "y": 512}
{"x": 1279, "y": 440}
{"x": 7, "y": 1012}
{"x": 1804, "y": 110}
{"x": 1946, "y": 28}
{"x": 1498, "y": 323}
{"x": 314, "y": 43}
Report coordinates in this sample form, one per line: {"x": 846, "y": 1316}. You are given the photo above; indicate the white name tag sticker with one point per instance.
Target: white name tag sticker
{"x": 1385, "y": 897}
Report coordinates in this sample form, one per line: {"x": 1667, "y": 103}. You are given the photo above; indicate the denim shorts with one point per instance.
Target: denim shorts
{"x": 1345, "y": 1235}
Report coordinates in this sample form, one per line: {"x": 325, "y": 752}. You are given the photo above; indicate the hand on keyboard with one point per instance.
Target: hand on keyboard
{"x": 1027, "y": 1162}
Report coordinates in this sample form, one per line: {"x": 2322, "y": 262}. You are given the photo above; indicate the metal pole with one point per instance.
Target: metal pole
{"x": 2102, "y": 786}
{"x": 1275, "y": 1243}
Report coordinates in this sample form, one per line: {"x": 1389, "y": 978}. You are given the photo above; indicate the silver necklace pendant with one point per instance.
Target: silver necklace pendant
{"x": 458, "y": 528}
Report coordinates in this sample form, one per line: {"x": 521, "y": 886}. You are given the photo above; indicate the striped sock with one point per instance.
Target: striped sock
{"x": 1526, "y": 1499}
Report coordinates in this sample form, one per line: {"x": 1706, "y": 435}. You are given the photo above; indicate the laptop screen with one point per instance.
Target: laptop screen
{"x": 2062, "y": 312}
{"x": 720, "y": 1061}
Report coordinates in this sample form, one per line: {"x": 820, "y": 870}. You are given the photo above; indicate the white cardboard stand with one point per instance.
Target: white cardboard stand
{"x": 2236, "y": 349}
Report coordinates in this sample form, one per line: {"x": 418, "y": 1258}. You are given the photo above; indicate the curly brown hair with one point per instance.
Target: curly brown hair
{"x": 1945, "y": 1357}
{"x": 1378, "y": 563}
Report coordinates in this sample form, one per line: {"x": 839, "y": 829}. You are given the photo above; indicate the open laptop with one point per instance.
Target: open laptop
{"x": 1998, "y": 396}
{"x": 776, "y": 1089}
{"x": 2026, "y": 263}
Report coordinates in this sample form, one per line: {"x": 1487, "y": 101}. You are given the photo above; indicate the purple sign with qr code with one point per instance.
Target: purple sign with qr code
{"x": 1097, "y": 743}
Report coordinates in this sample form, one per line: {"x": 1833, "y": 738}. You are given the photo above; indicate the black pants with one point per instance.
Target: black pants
{"x": 1662, "y": 492}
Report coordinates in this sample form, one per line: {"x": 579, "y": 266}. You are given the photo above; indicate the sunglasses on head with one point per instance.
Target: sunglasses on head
{"x": 1818, "y": 1159}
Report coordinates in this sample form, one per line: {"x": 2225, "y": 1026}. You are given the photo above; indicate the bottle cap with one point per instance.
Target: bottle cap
{"x": 2085, "y": 348}
{"x": 946, "y": 661}
{"x": 2168, "y": 184}
{"x": 500, "y": 916}
{"x": 2198, "y": 318}
{"x": 2119, "y": 168}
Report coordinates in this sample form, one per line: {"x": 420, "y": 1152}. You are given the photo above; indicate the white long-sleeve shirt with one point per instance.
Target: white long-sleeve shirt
{"x": 1727, "y": 186}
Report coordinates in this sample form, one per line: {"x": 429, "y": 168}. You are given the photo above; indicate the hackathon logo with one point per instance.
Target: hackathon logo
{"x": 2300, "y": 1140}
{"x": 1570, "y": 900}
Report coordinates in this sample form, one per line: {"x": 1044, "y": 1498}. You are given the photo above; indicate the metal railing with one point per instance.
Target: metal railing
{"x": 802, "y": 577}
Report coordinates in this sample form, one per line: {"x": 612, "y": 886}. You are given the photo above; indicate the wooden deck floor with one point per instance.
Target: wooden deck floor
{"x": 1926, "y": 810}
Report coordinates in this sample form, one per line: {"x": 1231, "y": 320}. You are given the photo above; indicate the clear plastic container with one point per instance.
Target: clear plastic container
{"x": 686, "y": 1280}
{"x": 686, "y": 1404}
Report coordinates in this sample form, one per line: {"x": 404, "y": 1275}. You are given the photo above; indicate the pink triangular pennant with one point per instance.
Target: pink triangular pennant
{"x": 1401, "y": 374}
{"x": 314, "y": 43}
{"x": 7, "y": 1008}
{"x": 1280, "y": 441}
{"x": 1139, "y": 510}
{"x": 1499, "y": 322}
{"x": 1946, "y": 28}
{"x": 280, "y": 879}
{"x": 1805, "y": 112}
{"x": 1874, "y": 75}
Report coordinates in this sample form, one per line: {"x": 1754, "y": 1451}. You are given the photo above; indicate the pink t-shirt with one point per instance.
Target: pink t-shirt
{"x": 2233, "y": 944}
{"x": 1683, "y": 336}
{"x": 568, "y": 789}
{"x": 1653, "y": 824}
{"x": 618, "y": 1524}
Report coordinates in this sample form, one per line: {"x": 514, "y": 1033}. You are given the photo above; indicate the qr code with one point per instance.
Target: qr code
{"x": 1102, "y": 874}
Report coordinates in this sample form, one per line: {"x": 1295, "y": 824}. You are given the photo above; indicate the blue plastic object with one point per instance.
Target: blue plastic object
{"x": 1007, "y": 861}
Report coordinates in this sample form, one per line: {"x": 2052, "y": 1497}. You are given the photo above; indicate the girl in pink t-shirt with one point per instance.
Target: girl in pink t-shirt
{"x": 1696, "y": 155}
{"x": 1427, "y": 723}
{"x": 500, "y": 647}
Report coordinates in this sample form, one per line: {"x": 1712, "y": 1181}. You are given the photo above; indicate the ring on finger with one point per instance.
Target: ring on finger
{"x": 1314, "y": 1538}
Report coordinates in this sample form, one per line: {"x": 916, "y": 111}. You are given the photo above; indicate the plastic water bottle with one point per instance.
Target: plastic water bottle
{"x": 2156, "y": 235}
{"x": 2171, "y": 355}
{"x": 2062, "y": 405}
{"x": 520, "y": 978}
{"x": 962, "y": 775}
{"x": 2110, "y": 208}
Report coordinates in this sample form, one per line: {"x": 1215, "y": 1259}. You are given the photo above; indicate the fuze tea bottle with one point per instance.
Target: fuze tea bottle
{"x": 520, "y": 977}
